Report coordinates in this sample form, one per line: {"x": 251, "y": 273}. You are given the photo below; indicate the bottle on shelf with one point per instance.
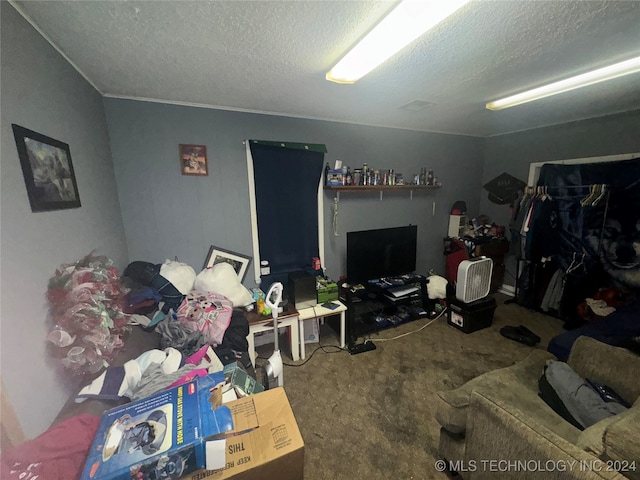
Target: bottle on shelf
{"x": 430, "y": 177}
{"x": 357, "y": 176}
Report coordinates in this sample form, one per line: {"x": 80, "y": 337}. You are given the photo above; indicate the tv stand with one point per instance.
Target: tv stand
{"x": 372, "y": 306}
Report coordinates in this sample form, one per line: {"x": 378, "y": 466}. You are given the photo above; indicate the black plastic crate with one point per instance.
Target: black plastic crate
{"x": 470, "y": 317}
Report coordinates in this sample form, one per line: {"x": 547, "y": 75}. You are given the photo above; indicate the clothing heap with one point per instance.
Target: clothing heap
{"x": 189, "y": 310}
{"x": 153, "y": 371}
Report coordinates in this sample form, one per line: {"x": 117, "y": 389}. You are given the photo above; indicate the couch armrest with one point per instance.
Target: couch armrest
{"x": 499, "y": 432}
{"x": 621, "y": 440}
{"x": 613, "y": 366}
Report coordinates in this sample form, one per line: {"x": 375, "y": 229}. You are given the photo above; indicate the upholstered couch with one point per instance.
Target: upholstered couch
{"x": 497, "y": 426}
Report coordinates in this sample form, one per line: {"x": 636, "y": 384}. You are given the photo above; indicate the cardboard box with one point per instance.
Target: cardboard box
{"x": 264, "y": 338}
{"x": 311, "y": 331}
{"x": 334, "y": 178}
{"x": 265, "y": 442}
{"x": 168, "y": 432}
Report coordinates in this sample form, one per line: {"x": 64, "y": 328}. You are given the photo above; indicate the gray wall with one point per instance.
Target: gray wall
{"x": 167, "y": 214}
{"x": 596, "y": 137}
{"x": 42, "y": 92}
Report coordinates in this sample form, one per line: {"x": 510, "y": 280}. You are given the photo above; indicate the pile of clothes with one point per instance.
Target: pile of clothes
{"x": 93, "y": 307}
{"x": 189, "y": 310}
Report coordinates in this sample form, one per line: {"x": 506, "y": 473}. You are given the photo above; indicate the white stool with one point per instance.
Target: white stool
{"x": 320, "y": 312}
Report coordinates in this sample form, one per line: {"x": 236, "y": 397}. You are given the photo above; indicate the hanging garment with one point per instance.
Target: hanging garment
{"x": 543, "y": 237}
{"x": 553, "y": 295}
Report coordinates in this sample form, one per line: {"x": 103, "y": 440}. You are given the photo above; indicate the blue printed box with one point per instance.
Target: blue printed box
{"x": 161, "y": 436}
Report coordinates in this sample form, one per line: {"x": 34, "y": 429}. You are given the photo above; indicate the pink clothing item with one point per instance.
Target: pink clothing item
{"x": 202, "y": 355}
{"x": 206, "y": 312}
{"x": 57, "y": 454}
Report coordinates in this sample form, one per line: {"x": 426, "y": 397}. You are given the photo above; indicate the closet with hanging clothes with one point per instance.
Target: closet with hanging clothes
{"x": 563, "y": 227}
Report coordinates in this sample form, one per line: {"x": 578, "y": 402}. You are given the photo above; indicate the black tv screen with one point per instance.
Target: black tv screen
{"x": 380, "y": 253}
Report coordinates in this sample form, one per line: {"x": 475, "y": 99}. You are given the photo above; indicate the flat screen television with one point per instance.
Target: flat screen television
{"x": 385, "y": 252}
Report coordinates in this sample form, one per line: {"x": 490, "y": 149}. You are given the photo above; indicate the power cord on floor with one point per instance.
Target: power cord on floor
{"x": 338, "y": 349}
{"x": 414, "y": 331}
{"x": 320, "y": 347}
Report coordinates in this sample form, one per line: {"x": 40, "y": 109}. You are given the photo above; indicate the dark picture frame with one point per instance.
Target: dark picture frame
{"x": 238, "y": 261}
{"x": 193, "y": 160}
{"x": 48, "y": 171}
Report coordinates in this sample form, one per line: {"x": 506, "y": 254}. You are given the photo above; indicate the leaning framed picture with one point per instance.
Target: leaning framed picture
{"x": 239, "y": 262}
{"x": 193, "y": 160}
{"x": 47, "y": 170}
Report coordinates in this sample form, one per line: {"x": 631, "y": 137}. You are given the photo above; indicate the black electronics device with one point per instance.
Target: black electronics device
{"x": 301, "y": 290}
{"x": 362, "y": 347}
{"x": 330, "y": 305}
{"x": 381, "y": 253}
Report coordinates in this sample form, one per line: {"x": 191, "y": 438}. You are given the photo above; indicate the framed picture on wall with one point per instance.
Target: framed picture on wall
{"x": 47, "y": 170}
{"x": 239, "y": 262}
{"x": 193, "y": 160}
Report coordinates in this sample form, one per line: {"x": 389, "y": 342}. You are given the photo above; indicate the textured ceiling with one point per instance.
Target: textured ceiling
{"x": 272, "y": 56}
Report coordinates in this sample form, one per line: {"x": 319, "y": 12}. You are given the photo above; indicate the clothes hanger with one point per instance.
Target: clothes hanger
{"x": 603, "y": 192}
{"x": 574, "y": 266}
{"x": 586, "y": 201}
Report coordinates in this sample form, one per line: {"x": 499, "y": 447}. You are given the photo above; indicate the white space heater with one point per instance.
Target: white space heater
{"x": 474, "y": 279}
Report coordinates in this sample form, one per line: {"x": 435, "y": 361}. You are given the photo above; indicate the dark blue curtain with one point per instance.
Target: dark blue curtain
{"x": 286, "y": 184}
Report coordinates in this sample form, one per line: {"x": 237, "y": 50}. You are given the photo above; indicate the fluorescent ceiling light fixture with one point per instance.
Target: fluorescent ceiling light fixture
{"x": 596, "y": 76}
{"x": 403, "y": 25}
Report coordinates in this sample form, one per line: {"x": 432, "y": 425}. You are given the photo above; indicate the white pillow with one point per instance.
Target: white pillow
{"x": 436, "y": 287}
{"x": 179, "y": 274}
{"x": 222, "y": 278}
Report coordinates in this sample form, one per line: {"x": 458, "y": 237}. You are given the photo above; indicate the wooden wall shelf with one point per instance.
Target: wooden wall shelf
{"x": 380, "y": 188}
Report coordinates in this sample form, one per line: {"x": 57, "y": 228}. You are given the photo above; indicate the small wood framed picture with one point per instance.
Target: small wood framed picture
{"x": 193, "y": 160}
{"x": 238, "y": 261}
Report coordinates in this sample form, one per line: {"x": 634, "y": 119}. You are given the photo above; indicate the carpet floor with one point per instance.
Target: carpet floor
{"x": 371, "y": 416}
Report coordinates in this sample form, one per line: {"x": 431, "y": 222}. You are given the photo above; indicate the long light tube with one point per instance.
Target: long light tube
{"x": 596, "y": 76}
{"x": 403, "y": 25}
